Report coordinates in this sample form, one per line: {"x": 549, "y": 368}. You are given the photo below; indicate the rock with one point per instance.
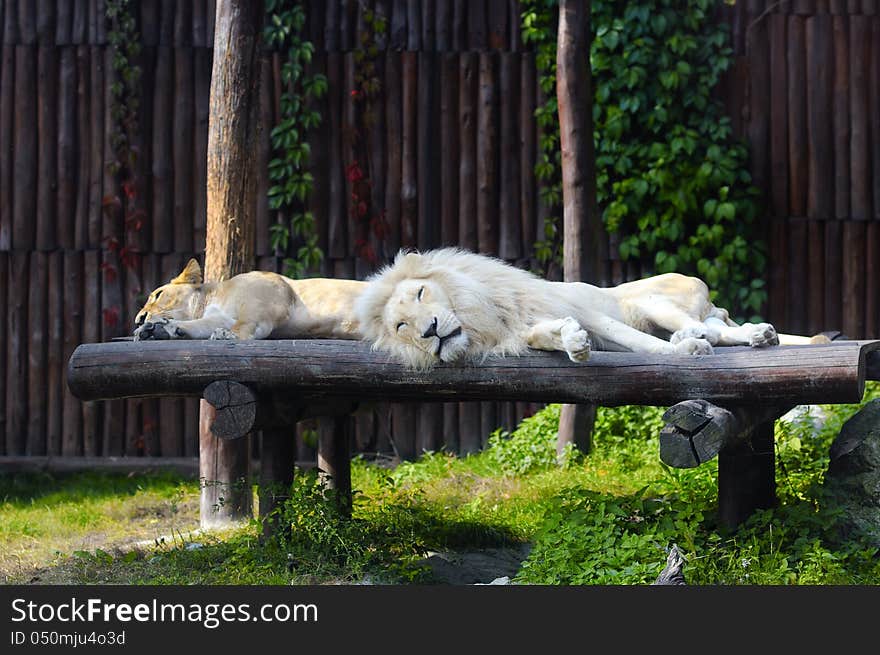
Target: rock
{"x": 476, "y": 567}
{"x": 852, "y": 483}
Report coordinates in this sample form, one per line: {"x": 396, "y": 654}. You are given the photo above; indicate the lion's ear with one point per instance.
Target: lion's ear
{"x": 191, "y": 274}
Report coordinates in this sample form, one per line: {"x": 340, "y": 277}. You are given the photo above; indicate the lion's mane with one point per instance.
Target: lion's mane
{"x": 495, "y": 302}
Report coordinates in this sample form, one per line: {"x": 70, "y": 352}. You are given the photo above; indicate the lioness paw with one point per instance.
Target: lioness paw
{"x": 575, "y": 340}
{"x": 157, "y": 330}
{"x": 222, "y": 334}
{"x": 763, "y": 335}
{"x": 693, "y": 346}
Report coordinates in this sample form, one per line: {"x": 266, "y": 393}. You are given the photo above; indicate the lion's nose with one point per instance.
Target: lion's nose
{"x": 431, "y": 331}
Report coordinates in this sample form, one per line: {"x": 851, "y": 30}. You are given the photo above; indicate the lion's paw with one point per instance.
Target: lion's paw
{"x": 763, "y": 335}
{"x": 159, "y": 329}
{"x": 693, "y": 346}
{"x": 576, "y": 341}
{"x": 222, "y": 334}
{"x": 696, "y": 332}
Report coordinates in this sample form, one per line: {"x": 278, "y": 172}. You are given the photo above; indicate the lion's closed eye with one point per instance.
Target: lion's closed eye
{"x": 400, "y": 325}
{"x": 419, "y": 295}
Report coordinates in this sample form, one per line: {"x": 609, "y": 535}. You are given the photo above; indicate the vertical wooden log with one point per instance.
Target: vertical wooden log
{"x": 840, "y": 117}
{"x": 24, "y": 196}
{"x": 816, "y": 277}
{"x": 758, "y": 54}
{"x": 112, "y": 222}
{"x": 4, "y": 291}
{"x": 394, "y": 169}
{"x": 467, "y": 170}
{"x": 211, "y": 12}
{"x": 277, "y": 462}
{"x": 476, "y": 24}
{"x": 797, "y": 117}
{"x": 872, "y": 288}
{"x": 853, "y": 289}
{"x": 427, "y": 164}
{"x": 197, "y": 24}
{"x": 163, "y": 152}
{"x": 498, "y": 32}
{"x": 47, "y": 137}
{"x": 819, "y": 40}
{"x": 510, "y": 242}
{"x": 334, "y": 457}
{"x": 27, "y": 21}
{"x": 149, "y": 23}
{"x": 65, "y": 199}
{"x": 91, "y": 333}
{"x": 778, "y": 117}
{"x": 797, "y": 273}
{"x": 96, "y": 147}
{"x": 7, "y": 138}
{"x": 202, "y": 74}
{"x": 528, "y": 150}
{"x": 10, "y": 23}
{"x": 404, "y": 427}
{"x": 449, "y": 139}
{"x": 429, "y": 25}
{"x": 336, "y": 185}
{"x": 17, "y": 365}
{"x": 82, "y": 234}
{"x": 319, "y": 161}
{"x": 450, "y": 428}
{"x": 460, "y": 10}
{"x": 53, "y": 393}
{"x": 487, "y": 157}
{"x": 182, "y": 146}
{"x": 874, "y": 113}
{"x": 860, "y": 138}
{"x": 382, "y": 9}
{"x": 397, "y": 25}
{"x": 444, "y": 25}
{"x": 63, "y": 22}
{"x": 37, "y": 348}
{"x": 833, "y": 275}
{"x": 167, "y": 14}
{"x": 378, "y": 167}
{"x": 469, "y": 428}
{"x": 414, "y": 26}
{"x": 409, "y": 205}
{"x": 111, "y": 326}
{"x": 513, "y": 10}
{"x": 232, "y": 174}
{"x": 429, "y": 434}
{"x": 71, "y": 423}
{"x": 350, "y": 136}
{"x": 746, "y": 478}
{"x": 488, "y": 421}
{"x": 262, "y": 244}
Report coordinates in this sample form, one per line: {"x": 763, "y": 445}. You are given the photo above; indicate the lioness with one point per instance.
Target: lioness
{"x": 255, "y": 305}
{"x": 451, "y": 305}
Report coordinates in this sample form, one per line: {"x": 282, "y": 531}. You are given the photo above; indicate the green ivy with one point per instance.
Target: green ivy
{"x": 288, "y": 170}
{"x": 671, "y": 179}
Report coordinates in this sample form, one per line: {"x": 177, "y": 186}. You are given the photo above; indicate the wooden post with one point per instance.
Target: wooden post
{"x": 583, "y": 232}
{"x": 746, "y": 477}
{"x": 224, "y": 467}
{"x": 277, "y": 461}
{"x": 334, "y": 461}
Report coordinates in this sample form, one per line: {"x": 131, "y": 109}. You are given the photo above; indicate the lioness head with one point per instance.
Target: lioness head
{"x": 175, "y": 300}
{"x": 410, "y": 309}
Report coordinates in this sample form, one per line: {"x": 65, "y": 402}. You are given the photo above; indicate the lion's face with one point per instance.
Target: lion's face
{"x": 420, "y": 315}
{"x": 174, "y": 300}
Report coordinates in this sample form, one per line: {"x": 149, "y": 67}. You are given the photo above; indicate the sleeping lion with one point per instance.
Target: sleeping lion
{"x": 450, "y": 305}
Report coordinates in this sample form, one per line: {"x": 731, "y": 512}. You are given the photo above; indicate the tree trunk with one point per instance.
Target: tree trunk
{"x": 583, "y": 258}
{"x": 224, "y": 466}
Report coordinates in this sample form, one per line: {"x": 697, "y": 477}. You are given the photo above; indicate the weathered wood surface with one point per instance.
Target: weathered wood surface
{"x": 831, "y": 373}
{"x": 697, "y": 430}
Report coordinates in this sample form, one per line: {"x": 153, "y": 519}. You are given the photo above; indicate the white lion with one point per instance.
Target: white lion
{"x": 451, "y": 305}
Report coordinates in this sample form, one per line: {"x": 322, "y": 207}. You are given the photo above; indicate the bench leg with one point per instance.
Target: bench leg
{"x": 277, "y": 463}
{"x": 334, "y": 459}
{"x": 746, "y": 477}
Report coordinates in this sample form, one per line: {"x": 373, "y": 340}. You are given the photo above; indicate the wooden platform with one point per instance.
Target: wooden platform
{"x": 270, "y": 385}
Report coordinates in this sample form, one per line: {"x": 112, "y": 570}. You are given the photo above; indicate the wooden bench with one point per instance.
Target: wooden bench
{"x": 724, "y": 404}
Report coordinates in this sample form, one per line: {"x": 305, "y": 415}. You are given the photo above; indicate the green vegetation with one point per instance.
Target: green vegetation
{"x": 605, "y": 518}
{"x": 671, "y": 179}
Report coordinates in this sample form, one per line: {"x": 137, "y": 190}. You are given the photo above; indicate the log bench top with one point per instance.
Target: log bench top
{"x": 321, "y": 368}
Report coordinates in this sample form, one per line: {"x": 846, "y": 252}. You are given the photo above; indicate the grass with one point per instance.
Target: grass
{"x": 607, "y": 518}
